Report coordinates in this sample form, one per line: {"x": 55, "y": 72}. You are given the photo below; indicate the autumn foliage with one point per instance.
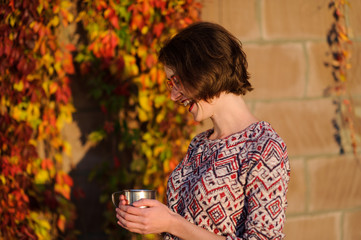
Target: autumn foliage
{"x": 117, "y": 57}
{"x": 35, "y": 104}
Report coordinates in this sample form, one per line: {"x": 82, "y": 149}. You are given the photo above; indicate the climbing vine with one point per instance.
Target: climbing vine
{"x": 339, "y": 44}
{"x": 35, "y": 103}
{"x": 118, "y": 59}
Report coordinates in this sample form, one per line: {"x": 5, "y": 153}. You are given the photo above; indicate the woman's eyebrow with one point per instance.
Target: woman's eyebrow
{"x": 169, "y": 78}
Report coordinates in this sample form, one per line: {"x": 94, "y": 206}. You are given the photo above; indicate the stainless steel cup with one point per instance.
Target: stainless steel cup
{"x": 132, "y": 195}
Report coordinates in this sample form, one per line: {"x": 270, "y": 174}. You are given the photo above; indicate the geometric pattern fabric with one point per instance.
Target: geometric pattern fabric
{"x": 236, "y": 186}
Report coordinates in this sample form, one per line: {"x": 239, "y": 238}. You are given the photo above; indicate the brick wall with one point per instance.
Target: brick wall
{"x": 285, "y": 42}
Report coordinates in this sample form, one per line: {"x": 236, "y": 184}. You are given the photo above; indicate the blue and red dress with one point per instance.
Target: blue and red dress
{"x": 235, "y": 186}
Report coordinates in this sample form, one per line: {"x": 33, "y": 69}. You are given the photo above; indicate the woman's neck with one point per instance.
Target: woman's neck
{"x": 231, "y": 115}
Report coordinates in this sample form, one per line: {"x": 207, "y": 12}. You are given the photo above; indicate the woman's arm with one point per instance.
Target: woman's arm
{"x": 158, "y": 218}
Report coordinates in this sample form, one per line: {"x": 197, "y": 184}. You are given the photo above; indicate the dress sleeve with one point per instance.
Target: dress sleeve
{"x": 266, "y": 188}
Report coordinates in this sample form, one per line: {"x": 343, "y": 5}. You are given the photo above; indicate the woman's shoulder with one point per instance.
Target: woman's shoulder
{"x": 256, "y": 132}
{"x": 266, "y": 134}
{"x": 254, "y": 136}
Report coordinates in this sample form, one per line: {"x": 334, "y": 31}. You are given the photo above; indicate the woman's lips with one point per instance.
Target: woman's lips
{"x": 191, "y": 107}
{"x": 188, "y": 102}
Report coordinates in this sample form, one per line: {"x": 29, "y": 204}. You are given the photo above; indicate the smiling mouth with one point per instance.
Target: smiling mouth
{"x": 190, "y": 103}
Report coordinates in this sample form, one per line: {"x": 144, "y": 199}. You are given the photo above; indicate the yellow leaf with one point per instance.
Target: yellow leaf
{"x": 161, "y": 116}
{"x": 70, "y": 17}
{"x": 343, "y": 36}
{"x": 12, "y": 21}
{"x": 65, "y": 4}
{"x": 41, "y": 177}
{"x": 58, "y": 157}
{"x": 144, "y": 101}
{"x": 19, "y": 86}
{"x": 3, "y": 179}
{"x": 54, "y": 22}
{"x": 28, "y": 169}
{"x": 342, "y": 78}
{"x": 80, "y": 16}
{"x": 158, "y": 150}
{"x": 145, "y": 29}
{"x": 57, "y": 67}
{"x": 39, "y": 9}
{"x": 142, "y": 51}
{"x": 143, "y": 117}
{"x": 67, "y": 148}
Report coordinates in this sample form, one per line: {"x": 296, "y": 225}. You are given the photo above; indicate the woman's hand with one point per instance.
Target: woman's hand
{"x": 156, "y": 218}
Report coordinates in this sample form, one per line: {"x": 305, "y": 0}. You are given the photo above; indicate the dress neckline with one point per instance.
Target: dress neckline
{"x": 249, "y": 127}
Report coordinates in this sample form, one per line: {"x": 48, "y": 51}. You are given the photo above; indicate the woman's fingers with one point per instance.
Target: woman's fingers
{"x": 122, "y": 200}
{"x": 145, "y": 203}
{"x": 130, "y": 214}
{"x": 131, "y": 222}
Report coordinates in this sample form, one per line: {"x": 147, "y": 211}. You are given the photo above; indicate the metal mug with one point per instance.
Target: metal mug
{"x": 132, "y": 195}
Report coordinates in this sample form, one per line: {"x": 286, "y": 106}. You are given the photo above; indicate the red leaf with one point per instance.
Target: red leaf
{"x": 116, "y": 162}
{"x": 158, "y": 28}
{"x": 114, "y": 21}
{"x": 109, "y": 127}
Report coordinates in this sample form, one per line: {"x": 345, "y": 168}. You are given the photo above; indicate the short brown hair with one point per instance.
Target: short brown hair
{"x": 208, "y": 60}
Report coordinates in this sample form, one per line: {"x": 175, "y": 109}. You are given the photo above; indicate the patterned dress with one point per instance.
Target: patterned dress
{"x": 236, "y": 186}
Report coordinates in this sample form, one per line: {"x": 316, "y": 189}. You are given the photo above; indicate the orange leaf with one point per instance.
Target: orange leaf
{"x": 68, "y": 64}
{"x": 70, "y": 47}
{"x": 68, "y": 180}
{"x": 61, "y": 223}
{"x": 43, "y": 48}
{"x": 47, "y": 164}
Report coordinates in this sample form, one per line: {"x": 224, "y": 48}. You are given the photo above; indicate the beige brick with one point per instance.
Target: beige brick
{"x": 277, "y": 70}
{"x": 76, "y": 134}
{"x": 355, "y": 17}
{"x": 296, "y": 195}
{"x": 354, "y": 74}
{"x": 296, "y": 18}
{"x": 318, "y": 227}
{"x": 334, "y": 183}
{"x": 351, "y": 226}
{"x": 320, "y": 76}
{"x": 240, "y": 18}
{"x": 210, "y": 11}
{"x": 305, "y": 125}
{"x": 351, "y": 135}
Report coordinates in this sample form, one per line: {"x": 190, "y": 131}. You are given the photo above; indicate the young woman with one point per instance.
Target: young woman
{"x": 232, "y": 183}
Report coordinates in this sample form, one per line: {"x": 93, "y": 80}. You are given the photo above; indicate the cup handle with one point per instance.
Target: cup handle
{"x": 115, "y": 198}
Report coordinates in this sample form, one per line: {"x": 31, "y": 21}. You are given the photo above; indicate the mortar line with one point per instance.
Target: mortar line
{"x": 259, "y": 7}
{"x": 220, "y": 11}
{"x": 308, "y": 185}
{"x": 324, "y": 212}
{"x": 282, "y": 41}
{"x": 341, "y": 225}
{"x": 307, "y": 73}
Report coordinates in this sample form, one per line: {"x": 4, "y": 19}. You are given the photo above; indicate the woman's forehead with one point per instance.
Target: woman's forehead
{"x": 169, "y": 72}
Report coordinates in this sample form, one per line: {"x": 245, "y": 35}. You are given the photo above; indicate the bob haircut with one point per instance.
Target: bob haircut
{"x": 208, "y": 60}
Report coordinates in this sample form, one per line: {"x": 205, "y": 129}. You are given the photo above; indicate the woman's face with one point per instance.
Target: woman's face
{"x": 200, "y": 110}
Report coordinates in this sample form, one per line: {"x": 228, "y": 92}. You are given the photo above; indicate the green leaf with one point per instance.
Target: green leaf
{"x": 97, "y": 136}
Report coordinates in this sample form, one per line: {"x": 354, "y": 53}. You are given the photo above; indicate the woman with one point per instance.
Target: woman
{"x": 232, "y": 183}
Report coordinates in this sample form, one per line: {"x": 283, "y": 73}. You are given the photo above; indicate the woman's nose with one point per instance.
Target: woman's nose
{"x": 175, "y": 94}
